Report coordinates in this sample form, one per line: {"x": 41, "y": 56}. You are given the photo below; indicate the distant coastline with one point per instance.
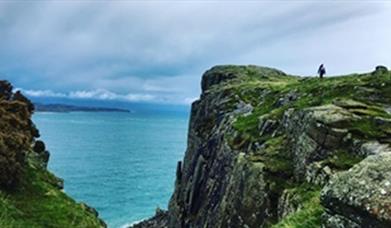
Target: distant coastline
{"x": 73, "y": 108}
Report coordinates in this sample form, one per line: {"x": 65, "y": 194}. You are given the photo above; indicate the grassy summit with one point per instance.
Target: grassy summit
{"x": 358, "y": 106}
{"x": 366, "y": 95}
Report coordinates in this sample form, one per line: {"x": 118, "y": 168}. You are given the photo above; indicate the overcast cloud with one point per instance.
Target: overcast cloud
{"x": 156, "y": 51}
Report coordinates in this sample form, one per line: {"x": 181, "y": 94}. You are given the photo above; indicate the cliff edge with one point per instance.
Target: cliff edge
{"x": 267, "y": 149}
{"x": 31, "y": 196}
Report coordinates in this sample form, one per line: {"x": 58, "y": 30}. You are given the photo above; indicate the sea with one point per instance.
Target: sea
{"x": 122, "y": 164}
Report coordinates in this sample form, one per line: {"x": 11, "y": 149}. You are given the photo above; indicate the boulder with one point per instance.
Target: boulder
{"x": 332, "y": 115}
{"x": 361, "y": 195}
{"x": 373, "y": 147}
{"x": 349, "y": 104}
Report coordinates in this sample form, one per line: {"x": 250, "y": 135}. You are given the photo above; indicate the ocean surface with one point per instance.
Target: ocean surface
{"x": 122, "y": 164}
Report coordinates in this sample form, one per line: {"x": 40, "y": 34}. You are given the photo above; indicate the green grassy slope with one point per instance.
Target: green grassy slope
{"x": 30, "y": 196}
{"x": 365, "y": 95}
{"x": 38, "y": 202}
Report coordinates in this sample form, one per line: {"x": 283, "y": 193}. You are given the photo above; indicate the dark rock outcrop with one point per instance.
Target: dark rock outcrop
{"x": 160, "y": 219}
{"x": 262, "y": 145}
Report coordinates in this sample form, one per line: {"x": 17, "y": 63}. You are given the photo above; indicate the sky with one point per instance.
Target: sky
{"x": 157, "y": 51}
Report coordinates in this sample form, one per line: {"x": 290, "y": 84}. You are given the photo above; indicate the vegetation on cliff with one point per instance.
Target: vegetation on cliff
{"x": 30, "y": 196}
{"x": 270, "y": 149}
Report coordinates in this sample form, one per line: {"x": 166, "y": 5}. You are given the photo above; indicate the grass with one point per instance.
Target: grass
{"x": 367, "y": 128}
{"x": 342, "y": 160}
{"x": 39, "y": 203}
{"x": 309, "y": 214}
{"x": 29, "y": 194}
{"x": 264, "y": 89}
{"x": 264, "y": 92}
{"x": 277, "y": 157}
{"x": 248, "y": 125}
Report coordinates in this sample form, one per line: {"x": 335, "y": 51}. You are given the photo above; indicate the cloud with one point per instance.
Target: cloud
{"x": 42, "y": 93}
{"x": 161, "y": 48}
{"x": 107, "y": 95}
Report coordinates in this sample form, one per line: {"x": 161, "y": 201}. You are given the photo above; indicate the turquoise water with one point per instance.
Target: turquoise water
{"x": 122, "y": 164}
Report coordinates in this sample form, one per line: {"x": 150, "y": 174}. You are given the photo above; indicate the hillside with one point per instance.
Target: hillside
{"x": 267, "y": 149}
{"x": 31, "y": 196}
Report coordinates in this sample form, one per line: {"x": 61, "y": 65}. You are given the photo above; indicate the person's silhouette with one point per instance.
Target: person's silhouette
{"x": 321, "y": 71}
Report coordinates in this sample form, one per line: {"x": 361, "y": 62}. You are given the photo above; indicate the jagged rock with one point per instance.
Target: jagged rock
{"x": 40, "y": 159}
{"x": 318, "y": 173}
{"x": 362, "y": 194}
{"x": 314, "y": 135}
{"x": 337, "y": 221}
{"x": 257, "y": 145}
{"x": 243, "y": 109}
{"x": 349, "y": 104}
{"x": 93, "y": 211}
{"x": 332, "y": 115}
{"x": 59, "y": 183}
{"x": 374, "y": 147}
{"x": 179, "y": 172}
{"x": 266, "y": 125}
{"x": 5, "y": 90}
{"x": 211, "y": 78}
{"x": 287, "y": 204}
{"x": 90, "y": 209}
{"x": 289, "y": 97}
{"x": 251, "y": 208}
{"x": 39, "y": 146}
{"x": 40, "y": 154}
{"x": 382, "y": 121}
{"x": 44, "y": 157}
{"x": 159, "y": 220}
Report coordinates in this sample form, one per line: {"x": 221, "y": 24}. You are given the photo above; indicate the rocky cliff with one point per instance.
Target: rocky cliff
{"x": 267, "y": 149}
{"x": 31, "y": 196}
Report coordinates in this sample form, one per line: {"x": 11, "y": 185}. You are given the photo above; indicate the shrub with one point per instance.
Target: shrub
{"x": 11, "y": 164}
{"x": 18, "y": 96}
{"x": 16, "y": 134}
{"x": 5, "y": 90}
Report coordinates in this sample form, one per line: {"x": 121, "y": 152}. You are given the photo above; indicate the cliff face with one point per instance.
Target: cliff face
{"x": 31, "y": 196}
{"x": 270, "y": 149}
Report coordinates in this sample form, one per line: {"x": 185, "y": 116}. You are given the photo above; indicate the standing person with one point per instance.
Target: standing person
{"x": 321, "y": 71}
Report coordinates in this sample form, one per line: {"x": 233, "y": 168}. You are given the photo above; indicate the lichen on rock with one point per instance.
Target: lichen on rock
{"x": 263, "y": 144}
{"x": 362, "y": 194}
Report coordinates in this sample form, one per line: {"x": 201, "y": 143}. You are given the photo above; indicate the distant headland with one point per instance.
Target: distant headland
{"x": 39, "y": 107}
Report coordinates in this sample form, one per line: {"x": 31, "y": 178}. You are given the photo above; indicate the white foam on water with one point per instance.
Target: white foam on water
{"x": 132, "y": 223}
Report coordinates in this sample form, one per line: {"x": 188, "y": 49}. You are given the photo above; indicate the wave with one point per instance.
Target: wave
{"x": 126, "y": 225}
